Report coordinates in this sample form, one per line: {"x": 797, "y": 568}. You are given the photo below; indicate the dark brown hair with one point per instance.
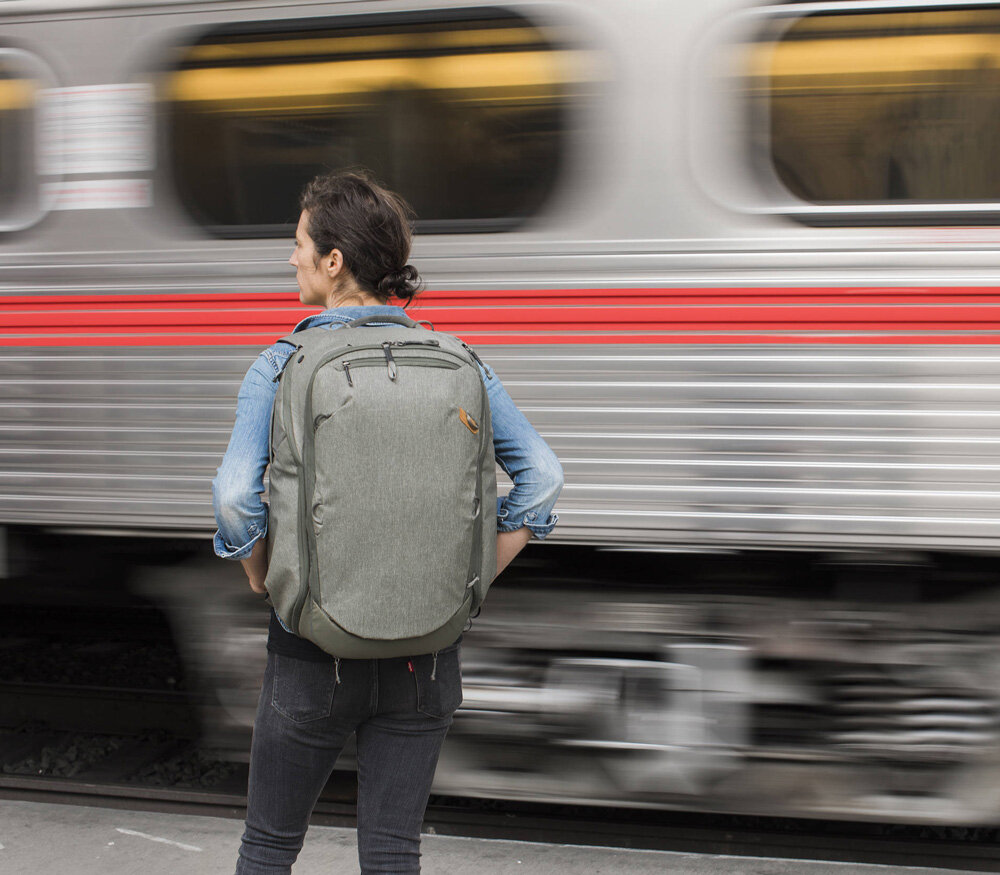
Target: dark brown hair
{"x": 370, "y": 225}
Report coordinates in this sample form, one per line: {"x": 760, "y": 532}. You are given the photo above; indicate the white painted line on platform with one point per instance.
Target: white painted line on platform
{"x": 142, "y": 835}
{"x": 692, "y": 855}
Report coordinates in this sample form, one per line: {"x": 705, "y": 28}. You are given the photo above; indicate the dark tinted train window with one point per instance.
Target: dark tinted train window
{"x": 18, "y": 187}
{"x": 893, "y": 107}
{"x": 465, "y": 113}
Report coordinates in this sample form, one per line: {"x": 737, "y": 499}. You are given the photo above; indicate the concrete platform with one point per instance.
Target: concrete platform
{"x": 47, "y": 839}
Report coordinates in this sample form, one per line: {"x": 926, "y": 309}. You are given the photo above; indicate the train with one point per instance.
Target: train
{"x": 738, "y": 263}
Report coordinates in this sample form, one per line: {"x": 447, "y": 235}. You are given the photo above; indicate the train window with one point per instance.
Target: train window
{"x": 464, "y": 112}
{"x": 894, "y": 108}
{"x": 19, "y": 191}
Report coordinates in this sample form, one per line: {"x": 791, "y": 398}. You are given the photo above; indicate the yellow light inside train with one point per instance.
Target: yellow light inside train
{"x": 865, "y": 49}
{"x": 885, "y": 55}
{"x": 17, "y": 94}
{"x": 502, "y": 70}
{"x": 380, "y": 43}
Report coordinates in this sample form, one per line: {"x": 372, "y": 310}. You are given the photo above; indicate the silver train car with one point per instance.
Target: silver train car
{"x": 738, "y": 263}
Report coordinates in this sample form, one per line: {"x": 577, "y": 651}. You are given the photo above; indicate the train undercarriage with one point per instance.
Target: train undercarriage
{"x": 793, "y": 684}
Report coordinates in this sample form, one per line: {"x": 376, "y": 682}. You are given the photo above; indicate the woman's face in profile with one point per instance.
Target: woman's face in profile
{"x": 311, "y": 272}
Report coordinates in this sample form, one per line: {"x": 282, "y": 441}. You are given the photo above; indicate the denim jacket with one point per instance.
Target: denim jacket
{"x": 236, "y": 490}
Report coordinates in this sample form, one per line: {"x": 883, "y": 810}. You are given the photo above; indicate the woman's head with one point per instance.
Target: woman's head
{"x": 352, "y": 242}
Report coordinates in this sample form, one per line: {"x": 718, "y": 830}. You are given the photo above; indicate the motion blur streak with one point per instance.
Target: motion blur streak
{"x": 739, "y": 266}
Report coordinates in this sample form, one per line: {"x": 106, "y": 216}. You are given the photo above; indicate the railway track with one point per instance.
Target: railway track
{"x": 92, "y": 745}
{"x": 160, "y": 772}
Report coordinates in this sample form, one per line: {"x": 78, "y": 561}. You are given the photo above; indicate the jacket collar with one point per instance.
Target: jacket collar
{"x": 346, "y": 314}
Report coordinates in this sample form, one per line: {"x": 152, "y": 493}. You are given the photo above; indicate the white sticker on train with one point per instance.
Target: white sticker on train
{"x": 96, "y": 129}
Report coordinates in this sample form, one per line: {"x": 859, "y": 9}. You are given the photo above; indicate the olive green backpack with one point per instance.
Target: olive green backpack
{"x": 382, "y": 519}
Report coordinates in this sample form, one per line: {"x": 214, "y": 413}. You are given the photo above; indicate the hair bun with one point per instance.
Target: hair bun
{"x": 403, "y": 283}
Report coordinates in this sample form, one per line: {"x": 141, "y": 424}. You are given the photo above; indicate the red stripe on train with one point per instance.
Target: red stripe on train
{"x": 898, "y": 315}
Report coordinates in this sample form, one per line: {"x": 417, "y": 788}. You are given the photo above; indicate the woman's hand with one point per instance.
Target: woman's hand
{"x": 255, "y": 565}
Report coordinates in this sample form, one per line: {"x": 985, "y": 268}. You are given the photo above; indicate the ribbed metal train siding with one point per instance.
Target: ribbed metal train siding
{"x": 837, "y": 446}
{"x": 122, "y": 439}
{"x": 771, "y": 445}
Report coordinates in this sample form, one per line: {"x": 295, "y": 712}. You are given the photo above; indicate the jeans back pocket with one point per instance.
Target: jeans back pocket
{"x": 303, "y": 690}
{"x": 439, "y": 681}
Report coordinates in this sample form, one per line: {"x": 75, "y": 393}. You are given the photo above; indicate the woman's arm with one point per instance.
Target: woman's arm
{"x": 236, "y": 490}
{"x": 526, "y": 511}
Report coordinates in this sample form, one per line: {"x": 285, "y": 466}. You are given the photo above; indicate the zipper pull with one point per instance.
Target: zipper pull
{"x": 347, "y": 373}
{"x": 390, "y": 362}
{"x": 472, "y": 352}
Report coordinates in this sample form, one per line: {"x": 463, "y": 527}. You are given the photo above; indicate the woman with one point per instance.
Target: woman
{"x": 351, "y": 249}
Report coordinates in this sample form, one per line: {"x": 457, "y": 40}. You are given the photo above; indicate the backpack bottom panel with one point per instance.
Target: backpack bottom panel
{"x": 317, "y": 626}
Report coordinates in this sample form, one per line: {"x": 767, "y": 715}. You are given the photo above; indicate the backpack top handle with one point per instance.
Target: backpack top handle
{"x": 365, "y": 320}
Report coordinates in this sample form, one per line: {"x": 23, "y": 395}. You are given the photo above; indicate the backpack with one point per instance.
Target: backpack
{"x": 382, "y": 520}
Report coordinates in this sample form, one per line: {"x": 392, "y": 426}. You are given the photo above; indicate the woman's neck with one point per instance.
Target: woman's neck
{"x": 352, "y": 298}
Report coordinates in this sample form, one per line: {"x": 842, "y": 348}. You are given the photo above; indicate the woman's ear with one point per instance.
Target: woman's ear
{"x": 334, "y": 263}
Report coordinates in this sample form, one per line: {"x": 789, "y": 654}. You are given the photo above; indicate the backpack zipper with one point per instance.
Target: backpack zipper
{"x": 372, "y": 362}
{"x": 472, "y": 352}
{"x": 390, "y": 362}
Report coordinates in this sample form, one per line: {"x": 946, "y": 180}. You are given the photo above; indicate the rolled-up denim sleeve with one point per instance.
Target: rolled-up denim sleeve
{"x": 529, "y": 462}
{"x": 240, "y": 512}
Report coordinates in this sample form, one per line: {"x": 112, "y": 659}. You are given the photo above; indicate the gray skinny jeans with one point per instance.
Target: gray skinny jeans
{"x": 400, "y": 710}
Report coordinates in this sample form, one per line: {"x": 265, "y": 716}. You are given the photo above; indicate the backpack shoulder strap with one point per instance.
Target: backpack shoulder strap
{"x": 308, "y": 336}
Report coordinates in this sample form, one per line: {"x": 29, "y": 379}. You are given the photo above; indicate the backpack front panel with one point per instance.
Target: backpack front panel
{"x": 394, "y": 499}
